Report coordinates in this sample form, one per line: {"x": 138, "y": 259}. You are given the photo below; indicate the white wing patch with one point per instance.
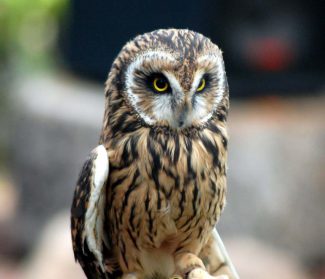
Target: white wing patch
{"x": 94, "y": 219}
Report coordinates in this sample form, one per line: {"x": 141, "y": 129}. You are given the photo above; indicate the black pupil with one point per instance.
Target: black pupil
{"x": 161, "y": 83}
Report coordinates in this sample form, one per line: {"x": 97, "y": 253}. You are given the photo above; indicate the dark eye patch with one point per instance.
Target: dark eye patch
{"x": 144, "y": 79}
{"x": 210, "y": 83}
{"x": 157, "y": 79}
{"x": 208, "y": 79}
{"x": 204, "y": 83}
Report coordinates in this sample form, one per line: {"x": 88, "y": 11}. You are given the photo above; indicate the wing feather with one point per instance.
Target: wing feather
{"x": 87, "y": 214}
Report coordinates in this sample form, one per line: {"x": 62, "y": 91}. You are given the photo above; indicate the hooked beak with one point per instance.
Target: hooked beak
{"x": 182, "y": 116}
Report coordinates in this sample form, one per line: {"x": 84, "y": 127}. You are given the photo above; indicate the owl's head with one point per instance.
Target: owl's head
{"x": 171, "y": 77}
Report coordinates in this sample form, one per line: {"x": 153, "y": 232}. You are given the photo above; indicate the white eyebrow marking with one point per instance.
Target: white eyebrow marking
{"x": 197, "y": 78}
{"x": 173, "y": 81}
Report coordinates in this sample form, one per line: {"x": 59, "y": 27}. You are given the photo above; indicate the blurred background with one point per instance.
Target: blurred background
{"x": 54, "y": 59}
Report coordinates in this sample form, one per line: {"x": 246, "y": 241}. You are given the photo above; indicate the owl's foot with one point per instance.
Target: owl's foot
{"x": 186, "y": 262}
{"x": 199, "y": 273}
{"x": 192, "y": 267}
{"x": 130, "y": 276}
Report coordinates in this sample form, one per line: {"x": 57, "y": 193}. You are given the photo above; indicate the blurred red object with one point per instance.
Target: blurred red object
{"x": 270, "y": 53}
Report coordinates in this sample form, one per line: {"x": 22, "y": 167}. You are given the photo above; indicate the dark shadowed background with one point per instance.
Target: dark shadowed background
{"x": 54, "y": 59}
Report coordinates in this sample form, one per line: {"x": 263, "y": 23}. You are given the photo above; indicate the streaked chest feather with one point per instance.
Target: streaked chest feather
{"x": 162, "y": 184}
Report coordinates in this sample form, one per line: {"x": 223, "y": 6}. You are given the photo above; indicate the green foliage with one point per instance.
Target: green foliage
{"x": 28, "y": 28}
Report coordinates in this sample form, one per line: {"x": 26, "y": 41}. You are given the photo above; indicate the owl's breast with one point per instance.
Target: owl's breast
{"x": 163, "y": 185}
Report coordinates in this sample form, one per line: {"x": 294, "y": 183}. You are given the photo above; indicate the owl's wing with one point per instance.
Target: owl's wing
{"x": 87, "y": 214}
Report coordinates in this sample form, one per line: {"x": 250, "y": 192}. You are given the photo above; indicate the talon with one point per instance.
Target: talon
{"x": 199, "y": 273}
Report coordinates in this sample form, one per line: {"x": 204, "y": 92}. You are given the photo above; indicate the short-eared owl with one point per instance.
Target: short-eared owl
{"x": 149, "y": 196}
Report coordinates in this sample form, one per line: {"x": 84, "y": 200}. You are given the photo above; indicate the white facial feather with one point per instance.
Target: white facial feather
{"x": 200, "y": 112}
{"x": 216, "y": 60}
{"x": 162, "y": 106}
{"x": 196, "y": 81}
{"x": 136, "y": 64}
{"x": 174, "y": 84}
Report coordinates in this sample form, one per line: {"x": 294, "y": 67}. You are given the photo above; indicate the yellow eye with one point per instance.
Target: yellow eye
{"x": 160, "y": 84}
{"x": 201, "y": 85}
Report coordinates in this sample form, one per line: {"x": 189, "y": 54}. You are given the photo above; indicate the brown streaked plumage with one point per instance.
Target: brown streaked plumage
{"x": 149, "y": 197}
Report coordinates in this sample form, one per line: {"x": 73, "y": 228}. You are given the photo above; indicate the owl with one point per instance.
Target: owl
{"x": 150, "y": 194}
